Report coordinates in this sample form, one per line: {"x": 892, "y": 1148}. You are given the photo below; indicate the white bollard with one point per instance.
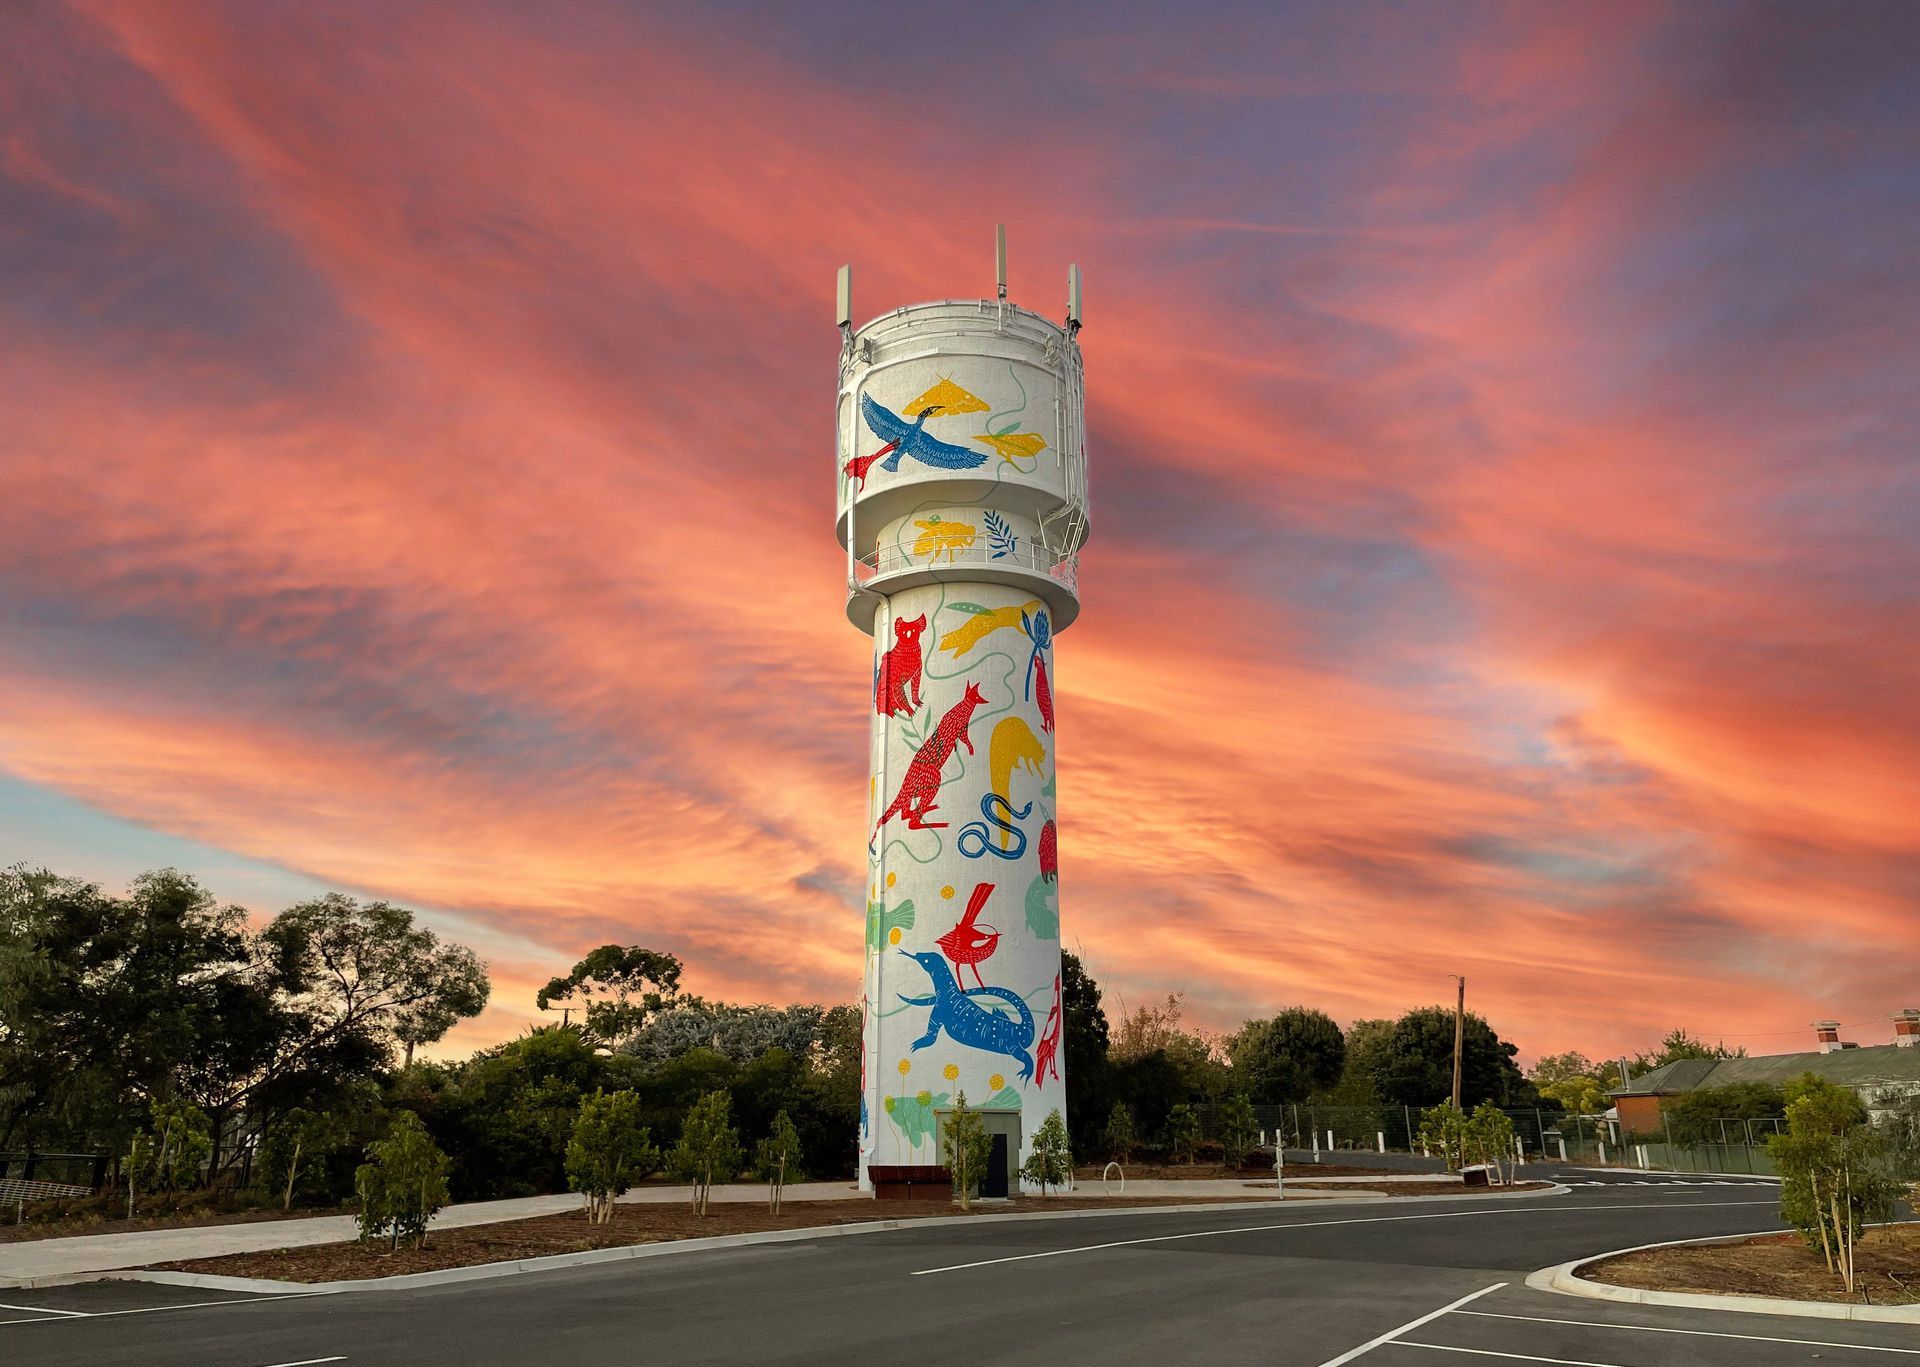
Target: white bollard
{"x": 1329, "y": 1141}
{"x": 1603, "y": 1151}
{"x": 1562, "y": 1142}
{"x": 1381, "y": 1135}
{"x": 1316, "y": 1146}
{"x": 1519, "y": 1150}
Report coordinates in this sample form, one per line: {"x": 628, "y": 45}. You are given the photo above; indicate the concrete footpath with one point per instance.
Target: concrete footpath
{"x": 35, "y": 1260}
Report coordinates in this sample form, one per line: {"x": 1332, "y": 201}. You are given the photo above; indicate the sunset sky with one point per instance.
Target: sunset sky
{"x": 416, "y": 478}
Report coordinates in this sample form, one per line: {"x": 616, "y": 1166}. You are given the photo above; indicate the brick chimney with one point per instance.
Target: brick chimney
{"x": 1906, "y": 1027}
{"x": 1829, "y": 1033}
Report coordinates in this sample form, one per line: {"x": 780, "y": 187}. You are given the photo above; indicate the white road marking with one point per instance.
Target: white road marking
{"x": 190, "y": 1305}
{"x": 43, "y": 1310}
{"x": 1393, "y": 1334}
{"x": 1515, "y": 1357}
{"x": 309, "y": 1362}
{"x": 1324, "y": 1224}
{"x": 1697, "y": 1333}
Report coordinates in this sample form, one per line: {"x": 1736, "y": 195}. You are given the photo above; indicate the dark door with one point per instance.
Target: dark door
{"x": 993, "y": 1182}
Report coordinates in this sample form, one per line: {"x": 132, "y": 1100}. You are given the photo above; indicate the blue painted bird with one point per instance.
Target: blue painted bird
{"x": 911, "y": 439}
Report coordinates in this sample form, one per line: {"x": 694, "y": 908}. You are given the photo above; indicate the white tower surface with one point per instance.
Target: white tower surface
{"x": 962, "y": 506}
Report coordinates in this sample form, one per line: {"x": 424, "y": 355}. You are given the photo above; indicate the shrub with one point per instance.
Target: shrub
{"x": 1050, "y": 1163}
{"x": 779, "y": 1152}
{"x": 709, "y": 1148}
{"x": 1183, "y": 1132}
{"x": 967, "y": 1148}
{"x": 610, "y": 1150}
{"x": 1119, "y": 1133}
{"x": 403, "y": 1183}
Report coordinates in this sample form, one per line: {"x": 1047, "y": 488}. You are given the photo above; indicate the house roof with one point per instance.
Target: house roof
{"x": 1882, "y": 1064}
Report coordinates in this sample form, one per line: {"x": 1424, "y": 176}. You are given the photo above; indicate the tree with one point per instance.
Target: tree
{"x": 403, "y": 1183}
{"x": 1284, "y": 1059}
{"x": 1049, "y": 1161}
{"x": 1577, "y": 1095}
{"x": 1118, "y": 1138}
{"x": 1183, "y": 1132}
{"x": 1084, "y": 1047}
{"x": 1416, "y": 1067}
{"x": 103, "y": 999}
{"x": 1557, "y": 1068}
{"x": 621, "y": 988}
{"x": 296, "y": 1145}
{"x": 1488, "y": 1137}
{"x": 779, "y": 1153}
{"x": 741, "y": 1033}
{"x": 1694, "y": 1117}
{"x": 967, "y": 1148}
{"x": 177, "y": 1144}
{"x": 609, "y": 1151}
{"x": 709, "y": 1148}
{"x": 1833, "y": 1168}
{"x": 351, "y": 985}
{"x": 1367, "y": 1046}
{"x": 1443, "y": 1130}
{"x": 1677, "y": 1044}
{"x": 1237, "y": 1128}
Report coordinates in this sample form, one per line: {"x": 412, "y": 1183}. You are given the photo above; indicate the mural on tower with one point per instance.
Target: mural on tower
{"x": 954, "y": 482}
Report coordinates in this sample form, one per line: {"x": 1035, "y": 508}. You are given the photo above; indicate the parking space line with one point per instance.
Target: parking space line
{"x": 190, "y": 1305}
{"x": 42, "y": 1310}
{"x": 1698, "y": 1333}
{"x": 1393, "y": 1334}
{"x": 1324, "y": 1224}
{"x": 1513, "y": 1357}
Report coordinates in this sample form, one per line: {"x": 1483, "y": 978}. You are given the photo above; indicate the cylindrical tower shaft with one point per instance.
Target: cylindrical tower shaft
{"x": 962, "y": 506}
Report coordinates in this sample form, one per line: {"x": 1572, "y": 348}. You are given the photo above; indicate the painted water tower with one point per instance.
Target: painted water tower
{"x": 962, "y": 507}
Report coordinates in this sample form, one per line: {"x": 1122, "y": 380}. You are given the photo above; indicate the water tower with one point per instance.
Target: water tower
{"x": 962, "y": 507}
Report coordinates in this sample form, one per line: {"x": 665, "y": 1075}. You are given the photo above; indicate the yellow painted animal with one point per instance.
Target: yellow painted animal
{"x": 1014, "y": 746}
{"x": 981, "y": 625}
{"x": 937, "y": 536}
{"x": 1014, "y": 446}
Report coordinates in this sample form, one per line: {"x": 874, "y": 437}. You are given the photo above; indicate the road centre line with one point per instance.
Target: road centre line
{"x": 1515, "y": 1357}
{"x": 1698, "y": 1333}
{"x": 1324, "y": 1224}
{"x": 42, "y": 1310}
{"x": 1393, "y": 1334}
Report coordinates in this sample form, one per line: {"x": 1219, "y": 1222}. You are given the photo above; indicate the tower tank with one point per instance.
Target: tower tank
{"x": 962, "y": 508}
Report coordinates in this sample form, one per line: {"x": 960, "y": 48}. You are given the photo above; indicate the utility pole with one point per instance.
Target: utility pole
{"x": 1459, "y": 1032}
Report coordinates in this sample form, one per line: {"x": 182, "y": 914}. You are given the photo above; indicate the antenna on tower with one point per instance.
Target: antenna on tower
{"x": 1073, "y": 300}
{"x": 1000, "y": 258}
{"x": 843, "y": 316}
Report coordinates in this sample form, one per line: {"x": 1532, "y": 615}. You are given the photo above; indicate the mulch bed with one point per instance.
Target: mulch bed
{"x": 96, "y": 1219}
{"x": 1887, "y": 1266}
{"x": 511, "y": 1240}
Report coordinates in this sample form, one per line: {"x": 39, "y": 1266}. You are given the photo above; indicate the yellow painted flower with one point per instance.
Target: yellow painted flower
{"x": 888, "y": 1103}
{"x": 950, "y": 1072}
{"x": 892, "y": 878}
{"x": 996, "y": 1082}
{"x": 923, "y": 1097}
{"x": 947, "y": 891}
{"x": 893, "y": 936}
{"x": 906, "y": 1066}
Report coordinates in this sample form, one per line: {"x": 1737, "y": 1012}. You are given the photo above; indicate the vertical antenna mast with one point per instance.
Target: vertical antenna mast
{"x": 1073, "y": 300}
{"x": 1000, "y": 259}
{"x": 843, "y": 300}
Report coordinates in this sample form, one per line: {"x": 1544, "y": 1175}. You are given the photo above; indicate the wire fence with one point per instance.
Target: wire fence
{"x": 1729, "y": 1146}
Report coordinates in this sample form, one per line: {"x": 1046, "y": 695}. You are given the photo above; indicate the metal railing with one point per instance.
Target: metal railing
{"x": 887, "y": 560}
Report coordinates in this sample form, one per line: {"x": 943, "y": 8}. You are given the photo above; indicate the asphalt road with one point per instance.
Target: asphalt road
{"x": 1308, "y": 1285}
